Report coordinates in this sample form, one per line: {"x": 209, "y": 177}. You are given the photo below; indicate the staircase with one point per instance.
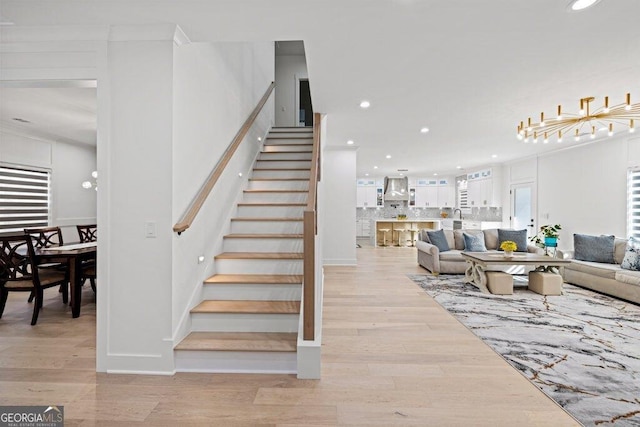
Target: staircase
{"x": 248, "y": 319}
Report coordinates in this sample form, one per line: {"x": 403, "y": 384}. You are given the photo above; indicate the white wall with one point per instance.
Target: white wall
{"x": 339, "y": 200}
{"x": 582, "y": 188}
{"x": 289, "y": 68}
{"x": 70, "y": 165}
{"x": 216, "y": 87}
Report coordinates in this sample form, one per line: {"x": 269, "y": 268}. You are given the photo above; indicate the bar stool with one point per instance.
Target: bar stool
{"x": 384, "y": 232}
{"x": 400, "y": 231}
{"x": 413, "y": 232}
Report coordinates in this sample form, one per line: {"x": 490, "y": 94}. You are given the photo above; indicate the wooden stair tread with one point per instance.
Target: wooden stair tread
{"x": 276, "y": 191}
{"x": 263, "y": 236}
{"x": 283, "y": 160}
{"x": 282, "y": 169}
{"x": 245, "y": 306}
{"x": 275, "y": 144}
{"x": 265, "y": 219}
{"x": 278, "y": 179}
{"x": 293, "y": 279}
{"x": 262, "y": 204}
{"x": 260, "y": 255}
{"x": 239, "y": 341}
{"x": 287, "y": 152}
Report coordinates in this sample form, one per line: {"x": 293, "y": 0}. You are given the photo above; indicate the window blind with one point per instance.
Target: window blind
{"x": 24, "y": 199}
{"x": 633, "y": 203}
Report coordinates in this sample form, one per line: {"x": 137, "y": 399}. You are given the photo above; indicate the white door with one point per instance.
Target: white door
{"x": 523, "y": 207}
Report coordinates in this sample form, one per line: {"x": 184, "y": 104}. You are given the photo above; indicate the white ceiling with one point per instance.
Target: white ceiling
{"x": 469, "y": 70}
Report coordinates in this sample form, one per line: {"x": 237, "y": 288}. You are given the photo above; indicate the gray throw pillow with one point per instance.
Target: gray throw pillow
{"x": 438, "y": 239}
{"x": 474, "y": 242}
{"x": 594, "y": 248}
{"x": 519, "y": 237}
{"x": 631, "y": 259}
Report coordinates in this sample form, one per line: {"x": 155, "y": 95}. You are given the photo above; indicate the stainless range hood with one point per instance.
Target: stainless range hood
{"x": 396, "y": 188}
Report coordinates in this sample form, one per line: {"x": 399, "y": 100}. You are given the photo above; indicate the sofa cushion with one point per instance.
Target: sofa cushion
{"x": 628, "y": 277}
{"x": 631, "y": 260}
{"x": 459, "y": 238}
{"x": 422, "y": 235}
{"x": 620, "y": 250}
{"x": 491, "y": 238}
{"x": 519, "y": 237}
{"x": 594, "y": 248}
{"x": 452, "y": 255}
{"x": 608, "y": 271}
{"x": 438, "y": 239}
{"x": 474, "y": 242}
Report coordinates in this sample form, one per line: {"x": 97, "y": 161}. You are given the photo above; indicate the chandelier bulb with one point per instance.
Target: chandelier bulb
{"x": 632, "y": 127}
{"x": 526, "y": 140}
{"x": 628, "y": 106}
{"x": 559, "y": 140}
{"x": 610, "y": 129}
{"x": 542, "y": 119}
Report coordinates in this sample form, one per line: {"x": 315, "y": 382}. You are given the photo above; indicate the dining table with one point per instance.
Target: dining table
{"x": 75, "y": 254}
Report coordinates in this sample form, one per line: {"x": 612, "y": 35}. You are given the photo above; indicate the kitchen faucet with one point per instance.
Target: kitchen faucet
{"x": 459, "y": 210}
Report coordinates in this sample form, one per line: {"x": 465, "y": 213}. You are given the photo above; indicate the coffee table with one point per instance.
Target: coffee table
{"x": 479, "y": 262}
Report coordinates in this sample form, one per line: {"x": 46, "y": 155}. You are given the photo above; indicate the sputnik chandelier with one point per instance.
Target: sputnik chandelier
{"x": 589, "y": 123}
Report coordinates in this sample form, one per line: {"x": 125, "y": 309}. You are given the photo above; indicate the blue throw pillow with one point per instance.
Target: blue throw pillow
{"x": 594, "y": 248}
{"x": 631, "y": 259}
{"x": 474, "y": 242}
{"x": 438, "y": 239}
{"x": 519, "y": 237}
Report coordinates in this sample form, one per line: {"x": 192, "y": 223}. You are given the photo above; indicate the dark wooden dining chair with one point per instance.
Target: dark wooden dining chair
{"x": 19, "y": 272}
{"x": 44, "y": 237}
{"x": 88, "y": 233}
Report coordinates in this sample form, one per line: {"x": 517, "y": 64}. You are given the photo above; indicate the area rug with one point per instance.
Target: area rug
{"x": 582, "y": 348}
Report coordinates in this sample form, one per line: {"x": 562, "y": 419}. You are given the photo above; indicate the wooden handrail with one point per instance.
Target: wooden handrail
{"x": 310, "y": 217}
{"x": 192, "y": 211}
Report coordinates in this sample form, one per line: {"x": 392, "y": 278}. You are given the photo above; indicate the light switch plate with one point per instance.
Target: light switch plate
{"x": 150, "y": 230}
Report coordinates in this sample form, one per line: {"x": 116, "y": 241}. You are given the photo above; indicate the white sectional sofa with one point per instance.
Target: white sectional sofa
{"x": 452, "y": 262}
{"x": 610, "y": 279}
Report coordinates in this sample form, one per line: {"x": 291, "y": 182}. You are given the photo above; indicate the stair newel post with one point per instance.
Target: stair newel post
{"x": 309, "y": 235}
{"x": 308, "y": 291}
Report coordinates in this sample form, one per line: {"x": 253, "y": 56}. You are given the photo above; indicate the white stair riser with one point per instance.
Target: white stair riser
{"x": 283, "y": 164}
{"x": 266, "y": 227}
{"x": 252, "y": 292}
{"x": 262, "y": 362}
{"x": 259, "y": 266}
{"x": 263, "y": 211}
{"x": 284, "y": 156}
{"x": 244, "y": 322}
{"x": 294, "y": 139}
{"x": 278, "y": 185}
{"x": 262, "y": 245}
{"x": 291, "y": 130}
{"x": 275, "y": 197}
{"x": 276, "y": 148}
{"x": 300, "y": 174}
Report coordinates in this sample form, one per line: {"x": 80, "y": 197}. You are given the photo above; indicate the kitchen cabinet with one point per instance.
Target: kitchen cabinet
{"x": 363, "y": 228}
{"x": 434, "y": 193}
{"x": 480, "y": 189}
{"x": 368, "y": 195}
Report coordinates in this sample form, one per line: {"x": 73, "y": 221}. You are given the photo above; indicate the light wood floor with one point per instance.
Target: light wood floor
{"x": 390, "y": 356}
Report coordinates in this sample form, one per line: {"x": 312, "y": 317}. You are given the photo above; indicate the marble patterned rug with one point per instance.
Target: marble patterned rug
{"x": 582, "y": 349}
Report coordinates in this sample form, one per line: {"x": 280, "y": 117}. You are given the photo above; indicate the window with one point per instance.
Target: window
{"x": 633, "y": 202}
{"x": 24, "y": 199}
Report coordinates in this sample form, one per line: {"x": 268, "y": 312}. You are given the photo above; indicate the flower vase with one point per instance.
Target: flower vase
{"x": 508, "y": 254}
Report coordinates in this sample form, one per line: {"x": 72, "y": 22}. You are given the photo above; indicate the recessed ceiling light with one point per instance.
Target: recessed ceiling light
{"x": 366, "y": 174}
{"x": 458, "y": 167}
{"x": 402, "y": 175}
{"x": 388, "y": 156}
{"x": 365, "y": 104}
{"x": 494, "y": 155}
{"x": 577, "y": 5}
{"x": 350, "y": 142}
{"x": 435, "y": 174}
{"x": 424, "y": 130}
{"x": 375, "y": 167}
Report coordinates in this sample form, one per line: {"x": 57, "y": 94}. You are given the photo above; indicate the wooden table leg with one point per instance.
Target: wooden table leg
{"x": 76, "y": 285}
{"x": 475, "y": 275}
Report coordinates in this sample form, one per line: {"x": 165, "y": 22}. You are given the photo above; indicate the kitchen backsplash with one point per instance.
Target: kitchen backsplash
{"x": 392, "y": 209}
